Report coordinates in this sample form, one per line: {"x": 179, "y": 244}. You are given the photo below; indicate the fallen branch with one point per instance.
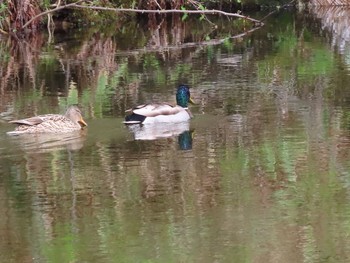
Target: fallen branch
{"x": 211, "y": 42}
{"x": 167, "y": 11}
{"x": 144, "y": 11}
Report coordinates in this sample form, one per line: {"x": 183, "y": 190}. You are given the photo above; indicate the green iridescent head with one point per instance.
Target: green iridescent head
{"x": 183, "y": 96}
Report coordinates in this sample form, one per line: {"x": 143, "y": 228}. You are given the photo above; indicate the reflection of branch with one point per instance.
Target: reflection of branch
{"x": 131, "y": 10}
{"x": 218, "y": 41}
{"x": 274, "y": 11}
{"x": 190, "y": 44}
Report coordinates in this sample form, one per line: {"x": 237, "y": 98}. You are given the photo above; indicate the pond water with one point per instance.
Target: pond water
{"x": 260, "y": 174}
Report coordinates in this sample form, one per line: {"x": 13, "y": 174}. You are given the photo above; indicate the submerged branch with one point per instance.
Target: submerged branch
{"x": 143, "y": 11}
{"x": 274, "y": 11}
{"x": 211, "y": 42}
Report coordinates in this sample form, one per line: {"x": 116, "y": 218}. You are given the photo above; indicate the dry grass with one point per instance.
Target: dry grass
{"x": 330, "y": 2}
{"x": 21, "y": 11}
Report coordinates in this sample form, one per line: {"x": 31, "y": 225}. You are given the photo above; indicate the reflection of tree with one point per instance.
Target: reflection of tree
{"x": 19, "y": 59}
{"x": 335, "y": 20}
{"x": 98, "y": 64}
{"x": 162, "y": 37}
{"x": 328, "y": 3}
{"x": 266, "y": 175}
{"x": 28, "y": 69}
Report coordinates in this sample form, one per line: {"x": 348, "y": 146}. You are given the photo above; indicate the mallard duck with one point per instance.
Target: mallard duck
{"x": 160, "y": 113}
{"x": 51, "y": 123}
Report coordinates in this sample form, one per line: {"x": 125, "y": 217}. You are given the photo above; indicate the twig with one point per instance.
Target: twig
{"x": 131, "y": 10}
{"x": 158, "y": 4}
{"x": 197, "y": 6}
{"x": 3, "y": 32}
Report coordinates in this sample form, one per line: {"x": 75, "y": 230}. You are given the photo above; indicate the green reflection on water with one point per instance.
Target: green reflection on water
{"x": 263, "y": 176}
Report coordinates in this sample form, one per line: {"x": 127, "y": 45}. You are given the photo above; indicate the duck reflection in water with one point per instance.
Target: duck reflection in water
{"x": 157, "y": 131}
{"x": 154, "y": 121}
{"x": 154, "y": 132}
{"x": 185, "y": 140}
{"x": 46, "y": 142}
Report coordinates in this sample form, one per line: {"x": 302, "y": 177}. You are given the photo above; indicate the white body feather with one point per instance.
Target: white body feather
{"x": 181, "y": 116}
{"x": 161, "y": 113}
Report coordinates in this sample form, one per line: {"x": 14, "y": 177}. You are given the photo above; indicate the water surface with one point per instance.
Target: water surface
{"x": 260, "y": 174}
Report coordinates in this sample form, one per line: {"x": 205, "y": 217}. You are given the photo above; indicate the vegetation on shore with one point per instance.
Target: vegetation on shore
{"x": 25, "y": 16}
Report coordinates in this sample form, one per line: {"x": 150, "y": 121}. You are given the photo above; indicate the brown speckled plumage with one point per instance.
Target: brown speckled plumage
{"x": 51, "y": 123}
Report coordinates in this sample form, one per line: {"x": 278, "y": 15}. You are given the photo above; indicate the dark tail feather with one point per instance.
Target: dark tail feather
{"x": 134, "y": 119}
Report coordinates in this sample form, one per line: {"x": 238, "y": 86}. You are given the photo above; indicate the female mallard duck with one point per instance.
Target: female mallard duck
{"x": 160, "y": 113}
{"x": 51, "y": 123}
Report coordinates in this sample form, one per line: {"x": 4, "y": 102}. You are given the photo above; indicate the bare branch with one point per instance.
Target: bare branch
{"x": 143, "y": 11}
{"x": 3, "y": 32}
